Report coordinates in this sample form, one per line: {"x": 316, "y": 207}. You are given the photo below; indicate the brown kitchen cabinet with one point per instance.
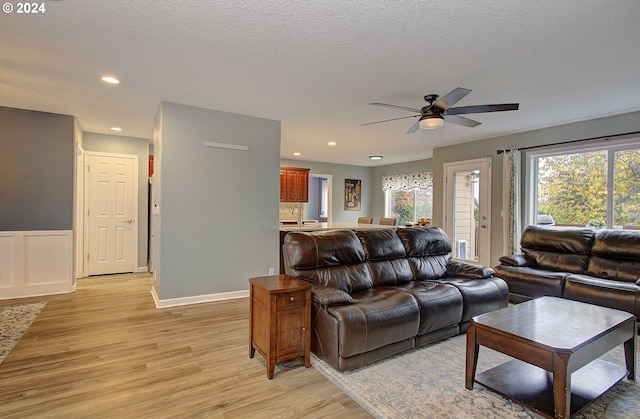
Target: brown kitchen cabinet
{"x": 280, "y": 319}
{"x": 294, "y": 184}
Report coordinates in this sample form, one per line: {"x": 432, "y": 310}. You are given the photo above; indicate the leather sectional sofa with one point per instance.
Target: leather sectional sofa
{"x": 379, "y": 292}
{"x": 601, "y": 268}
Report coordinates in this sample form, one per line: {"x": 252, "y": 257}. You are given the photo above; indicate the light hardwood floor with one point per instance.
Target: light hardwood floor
{"x": 105, "y": 351}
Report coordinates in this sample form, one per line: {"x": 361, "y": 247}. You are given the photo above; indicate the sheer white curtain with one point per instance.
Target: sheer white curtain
{"x": 511, "y": 201}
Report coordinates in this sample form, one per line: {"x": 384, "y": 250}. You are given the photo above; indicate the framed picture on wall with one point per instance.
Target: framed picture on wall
{"x": 352, "y": 194}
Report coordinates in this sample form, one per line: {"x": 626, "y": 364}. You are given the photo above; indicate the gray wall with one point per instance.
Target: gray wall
{"x": 105, "y": 143}
{"x": 311, "y": 207}
{"x": 487, "y": 148}
{"x": 218, "y": 208}
{"x": 339, "y": 173}
{"x": 377, "y": 195}
{"x": 36, "y": 170}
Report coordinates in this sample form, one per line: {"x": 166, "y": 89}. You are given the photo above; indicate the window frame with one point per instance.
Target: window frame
{"x": 387, "y": 202}
{"x": 530, "y": 204}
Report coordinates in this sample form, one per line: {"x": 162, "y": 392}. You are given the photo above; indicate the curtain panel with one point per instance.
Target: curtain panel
{"x": 404, "y": 182}
{"x": 511, "y": 201}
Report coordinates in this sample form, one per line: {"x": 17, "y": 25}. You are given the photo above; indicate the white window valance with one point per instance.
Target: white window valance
{"x": 407, "y": 181}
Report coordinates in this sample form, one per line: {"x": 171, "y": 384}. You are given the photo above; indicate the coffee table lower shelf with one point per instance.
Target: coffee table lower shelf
{"x": 532, "y": 387}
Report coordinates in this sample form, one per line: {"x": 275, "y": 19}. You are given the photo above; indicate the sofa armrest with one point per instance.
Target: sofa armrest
{"x": 517, "y": 260}
{"x": 329, "y": 296}
{"x": 468, "y": 270}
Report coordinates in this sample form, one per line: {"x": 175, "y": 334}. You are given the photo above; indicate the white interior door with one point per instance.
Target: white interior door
{"x": 111, "y": 213}
{"x": 467, "y": 209}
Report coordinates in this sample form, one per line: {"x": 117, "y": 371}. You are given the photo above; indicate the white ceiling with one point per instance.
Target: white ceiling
{"x": 316, "y": 65}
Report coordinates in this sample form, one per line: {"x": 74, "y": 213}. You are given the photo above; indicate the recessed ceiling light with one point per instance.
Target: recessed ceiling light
{"x": 116, "y": 129}
{"x": 375, "y": 157}
{"x": 296, "y": 154}
{"x": 110, "y": 79}
{"x": 332, "y": 143}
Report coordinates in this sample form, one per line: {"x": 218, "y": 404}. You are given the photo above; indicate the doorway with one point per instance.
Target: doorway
{"x": 467, "y": 209}
{"x": 319, "y": 205}
{"x": 111, "y": 204}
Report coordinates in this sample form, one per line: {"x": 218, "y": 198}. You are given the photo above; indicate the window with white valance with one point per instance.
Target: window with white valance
{"x": 407, "y": 181}
{"x": 408, "y": 197}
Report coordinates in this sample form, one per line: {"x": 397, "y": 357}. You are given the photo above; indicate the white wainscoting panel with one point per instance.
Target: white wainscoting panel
{"x": 36, "y": 263}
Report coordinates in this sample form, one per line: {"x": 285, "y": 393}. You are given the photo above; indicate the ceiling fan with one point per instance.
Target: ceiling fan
{"x": 437, "y": 111}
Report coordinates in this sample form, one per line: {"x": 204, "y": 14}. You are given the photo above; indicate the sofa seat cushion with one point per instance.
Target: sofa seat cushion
{"x": 532, "y": 282}
{"x": 440, "y": 304}
{"x": 479, "y": 296}
{"x": 604, "y": 292}
{"x": 378, "y": 317}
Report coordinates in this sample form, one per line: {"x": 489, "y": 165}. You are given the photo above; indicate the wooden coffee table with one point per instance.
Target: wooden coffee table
{"x": 551, "y": 339}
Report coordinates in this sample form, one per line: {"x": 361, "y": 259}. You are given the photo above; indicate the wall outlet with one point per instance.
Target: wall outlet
{"x": 272, "y": 271}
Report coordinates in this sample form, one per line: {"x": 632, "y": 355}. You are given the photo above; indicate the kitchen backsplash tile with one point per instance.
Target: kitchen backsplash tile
{"x": 288, "y": 210}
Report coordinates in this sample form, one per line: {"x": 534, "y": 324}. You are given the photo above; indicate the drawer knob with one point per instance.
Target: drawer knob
{"x": 291, "y": 299}
{"x": 304, "y": 329}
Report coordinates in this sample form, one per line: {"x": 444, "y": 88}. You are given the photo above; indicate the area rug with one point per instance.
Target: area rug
{"x": 428, "y": 382}
{"x": 14, "y": 322}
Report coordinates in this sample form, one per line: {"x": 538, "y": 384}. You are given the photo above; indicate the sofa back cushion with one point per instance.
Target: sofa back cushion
{"x": 616, "y": 255}
{"x": 428, "y": 251}
{"x": 553, "y": 248}
{"x": 386, "y": 257}
{"x": 333, "y": 258}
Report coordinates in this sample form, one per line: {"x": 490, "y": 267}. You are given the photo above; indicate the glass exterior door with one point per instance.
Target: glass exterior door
{"x": 467, "y": 209}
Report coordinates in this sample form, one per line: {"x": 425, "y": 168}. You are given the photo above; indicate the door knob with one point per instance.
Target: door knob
{"x": 129, "y": 221}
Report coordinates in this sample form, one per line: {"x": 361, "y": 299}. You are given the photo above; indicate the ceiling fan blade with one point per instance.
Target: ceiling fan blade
{"x": 414, "y": 127}
{"x": 483, "y": 108}
{"x": 392, "y": 119}
{"x": 451, "y": 98}
{"x": 461, "y": 120}
{"x": 402, "y": 108}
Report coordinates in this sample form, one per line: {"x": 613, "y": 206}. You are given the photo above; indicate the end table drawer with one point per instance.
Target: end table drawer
{"x": 291, "y": 299}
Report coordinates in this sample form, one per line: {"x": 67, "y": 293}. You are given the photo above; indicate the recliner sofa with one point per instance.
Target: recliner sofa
{"x": 379, "y": 292}
{"x": 601, "y": 268}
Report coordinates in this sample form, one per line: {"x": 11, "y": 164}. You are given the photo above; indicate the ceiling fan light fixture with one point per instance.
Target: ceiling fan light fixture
{"x": 431, "y": 122}
{"x": 375, "y": 157}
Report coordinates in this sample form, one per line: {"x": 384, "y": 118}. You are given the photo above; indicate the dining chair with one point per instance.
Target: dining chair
{"x": 388, "y": 221}
{"x": 365, "y": 220}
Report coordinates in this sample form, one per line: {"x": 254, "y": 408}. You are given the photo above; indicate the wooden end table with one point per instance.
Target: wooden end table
{"x": 280, "y": 319}
{"x": 551, "y": 338}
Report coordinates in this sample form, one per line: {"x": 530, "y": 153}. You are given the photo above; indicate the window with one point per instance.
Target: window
{"x": 408, "y": 197}
{"x": 597, "y": 187}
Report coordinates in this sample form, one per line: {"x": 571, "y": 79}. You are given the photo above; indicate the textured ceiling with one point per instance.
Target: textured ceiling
{"x": 316, "y": 65}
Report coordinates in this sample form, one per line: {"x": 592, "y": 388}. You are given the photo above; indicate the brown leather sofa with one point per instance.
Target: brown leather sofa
{"x": 580, "y": 264}
{"x": 379, "y": 292}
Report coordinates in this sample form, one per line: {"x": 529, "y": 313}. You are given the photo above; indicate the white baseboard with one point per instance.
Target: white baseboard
{"x": 196, "y": 299}
{"x": 142, "y": 269}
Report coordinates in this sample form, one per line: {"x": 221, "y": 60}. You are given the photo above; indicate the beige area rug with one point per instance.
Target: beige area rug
{"x": 14, "y": 322}
{"x": 428, "y": 382}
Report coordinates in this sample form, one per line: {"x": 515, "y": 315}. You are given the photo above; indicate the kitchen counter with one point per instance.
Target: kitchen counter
{"x": 333, "y": 226}
{"x": 294, "y": 222}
